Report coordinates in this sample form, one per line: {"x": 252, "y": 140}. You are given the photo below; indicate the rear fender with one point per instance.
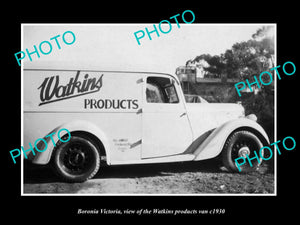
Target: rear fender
{"x": 78, "y": 125}
{"x": 213, "y": 144}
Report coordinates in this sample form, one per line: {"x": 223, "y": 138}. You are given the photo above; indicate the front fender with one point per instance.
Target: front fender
{"x": 213, "y": 144}
{"x": 78, "y": 125}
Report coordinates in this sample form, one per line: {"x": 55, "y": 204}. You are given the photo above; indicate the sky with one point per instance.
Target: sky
{"x": 114, "y": 46}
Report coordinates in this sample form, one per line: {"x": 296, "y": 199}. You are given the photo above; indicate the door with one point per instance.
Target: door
{"x": 166, "y": 129}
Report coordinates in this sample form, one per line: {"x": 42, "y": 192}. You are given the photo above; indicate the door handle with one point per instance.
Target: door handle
{"x": 183, "y": 114}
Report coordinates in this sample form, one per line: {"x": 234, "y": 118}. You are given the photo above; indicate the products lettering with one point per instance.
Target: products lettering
{"x": 111, "y": 104}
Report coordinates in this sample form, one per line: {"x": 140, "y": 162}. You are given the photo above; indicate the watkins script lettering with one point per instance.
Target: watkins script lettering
{"x": 53, "y": 91}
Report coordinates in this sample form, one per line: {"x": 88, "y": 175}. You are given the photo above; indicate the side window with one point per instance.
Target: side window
{"x": 161, "y": 90}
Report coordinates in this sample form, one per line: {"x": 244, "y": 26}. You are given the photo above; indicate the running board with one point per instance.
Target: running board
{"x": 165, "y": 159}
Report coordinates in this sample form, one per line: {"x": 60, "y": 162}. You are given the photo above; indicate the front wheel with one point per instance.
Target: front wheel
{"x": 240, "y": 144}
{"x": 76, "y": 160}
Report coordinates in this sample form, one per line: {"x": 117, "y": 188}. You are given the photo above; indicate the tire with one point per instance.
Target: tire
{"x": 238, "y": 144}
{"x": 76, "y": 160}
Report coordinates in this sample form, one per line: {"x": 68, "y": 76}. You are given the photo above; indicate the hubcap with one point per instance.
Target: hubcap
{"x": 77, "y": 158}
{"x": 244, "y": 151}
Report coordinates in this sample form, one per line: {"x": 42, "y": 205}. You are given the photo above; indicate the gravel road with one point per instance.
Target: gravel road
{"x": 204, "y": 177}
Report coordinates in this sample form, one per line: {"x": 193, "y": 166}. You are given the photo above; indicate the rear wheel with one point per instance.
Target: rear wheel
{"x": 240, "y": 144}
{"x": 76, "y": 160}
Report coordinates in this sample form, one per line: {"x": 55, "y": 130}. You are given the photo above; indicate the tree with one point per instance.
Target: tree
{"x": 243, "y": 61}
{"x": 216, "y": 65}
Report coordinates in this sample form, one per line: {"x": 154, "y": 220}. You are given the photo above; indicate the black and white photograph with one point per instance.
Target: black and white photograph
{"x": 162, "y": 109}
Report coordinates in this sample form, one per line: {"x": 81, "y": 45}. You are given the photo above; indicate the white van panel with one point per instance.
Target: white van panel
{"x": 109, "y": 100}
{"x": 81, "y": 91}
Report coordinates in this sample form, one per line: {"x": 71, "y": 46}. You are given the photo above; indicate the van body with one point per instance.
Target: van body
{"x": 124, "y": 118}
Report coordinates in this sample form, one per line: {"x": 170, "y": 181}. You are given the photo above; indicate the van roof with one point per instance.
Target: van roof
{"x": 105, "y": 71}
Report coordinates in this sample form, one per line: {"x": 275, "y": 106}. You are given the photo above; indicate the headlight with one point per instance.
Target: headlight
{"x": 252, "y": 117}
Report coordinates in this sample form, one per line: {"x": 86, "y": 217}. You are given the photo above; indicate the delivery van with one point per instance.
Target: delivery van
{"x": 119, "y": 118}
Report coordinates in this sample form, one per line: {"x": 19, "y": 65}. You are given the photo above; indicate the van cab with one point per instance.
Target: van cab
{"x": 129, "y": 118}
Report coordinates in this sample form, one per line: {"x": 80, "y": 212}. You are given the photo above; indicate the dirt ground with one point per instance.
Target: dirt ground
{"x": 204, "y": 177}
